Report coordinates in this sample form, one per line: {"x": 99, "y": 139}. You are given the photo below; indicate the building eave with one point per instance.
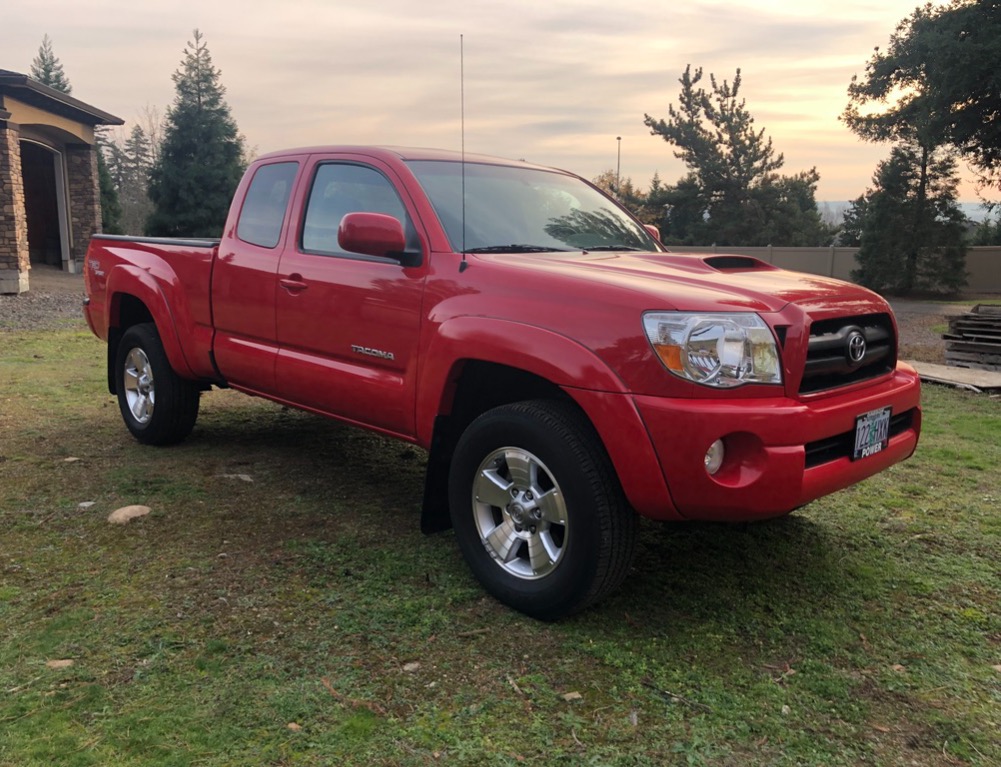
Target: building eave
{"x": 22, "y": 87}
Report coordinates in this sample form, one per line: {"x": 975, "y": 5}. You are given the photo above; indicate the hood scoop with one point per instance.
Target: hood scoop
{"x": 736, "y": 263}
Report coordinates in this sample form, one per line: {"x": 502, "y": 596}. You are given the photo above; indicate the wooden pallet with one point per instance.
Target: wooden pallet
{"x": 974, "y": 339}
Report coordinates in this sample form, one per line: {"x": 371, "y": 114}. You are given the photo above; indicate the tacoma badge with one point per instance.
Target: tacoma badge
{"x": 372, "y": 352}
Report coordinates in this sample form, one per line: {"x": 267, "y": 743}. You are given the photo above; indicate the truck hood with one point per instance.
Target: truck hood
{"x": 699, "y": 282}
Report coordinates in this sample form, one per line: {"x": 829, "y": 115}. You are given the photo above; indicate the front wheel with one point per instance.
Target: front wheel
{"x": 537, "y": 509}
{"x": 158, "y": 406}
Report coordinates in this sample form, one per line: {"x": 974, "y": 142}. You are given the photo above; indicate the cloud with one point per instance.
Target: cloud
{"x": 554, "y": 82}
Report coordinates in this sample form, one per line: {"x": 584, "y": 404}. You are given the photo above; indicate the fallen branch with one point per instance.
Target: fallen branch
{"x": 675, "y": 698}
{"x": 514, "y": 685}
{"x": 25, "y": 686}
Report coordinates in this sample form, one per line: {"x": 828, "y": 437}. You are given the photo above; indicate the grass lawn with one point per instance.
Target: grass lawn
{"x": 300, "y": 618}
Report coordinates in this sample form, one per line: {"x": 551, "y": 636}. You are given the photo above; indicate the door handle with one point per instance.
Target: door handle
{"x": 293, "y": 283}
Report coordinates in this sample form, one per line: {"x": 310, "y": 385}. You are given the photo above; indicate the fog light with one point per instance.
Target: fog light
{"x": 714, "y": 457}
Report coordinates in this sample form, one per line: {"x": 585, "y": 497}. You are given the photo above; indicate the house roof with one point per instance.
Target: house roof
{"x": 33, "y": 92}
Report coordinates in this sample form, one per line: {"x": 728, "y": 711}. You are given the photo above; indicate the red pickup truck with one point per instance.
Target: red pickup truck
{"x": 563, "y": 369}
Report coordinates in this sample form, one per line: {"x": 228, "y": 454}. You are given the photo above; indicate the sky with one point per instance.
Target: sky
{"x": 554, "y": 82}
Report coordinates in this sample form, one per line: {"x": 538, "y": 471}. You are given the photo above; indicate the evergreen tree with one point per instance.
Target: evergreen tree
{"x": 47, "y": 69}
{"x": 787, "y": 211}
{"x": 111, "y": 209}
{"x": 134, "y": 163}
{"x": 200, "y": 161}
{"x": 130, "y": 159}
{"x": 939, "y": 75}
{"x": 739, "y": 199}
{"x": 622, "y": 190}
{"x": 900, "y": 99}
{"x": 851, "y": 226}
{"x": 114, "y": 158}
{"x": 685, "y": 214}
{"x": 988, "y": 232}
{"x": 654, "y": 205}
{"x": 911, "y": 236}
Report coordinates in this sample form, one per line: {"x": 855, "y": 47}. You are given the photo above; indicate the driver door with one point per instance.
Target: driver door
{"x": 348, "y": 324}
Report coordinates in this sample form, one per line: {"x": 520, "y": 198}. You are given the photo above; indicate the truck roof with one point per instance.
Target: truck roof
{"x": 402, "y": 153}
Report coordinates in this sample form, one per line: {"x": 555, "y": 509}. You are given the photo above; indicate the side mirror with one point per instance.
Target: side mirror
{"x": 653, "y": 231}
{"x": 373, "y": 234}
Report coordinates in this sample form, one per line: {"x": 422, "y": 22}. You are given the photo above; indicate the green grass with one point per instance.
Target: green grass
{"x": 864, "y": 629}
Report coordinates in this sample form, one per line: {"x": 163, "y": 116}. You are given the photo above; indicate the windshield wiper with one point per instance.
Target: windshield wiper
{"x": 610, "y": 247}
{"x": 515, "y": 249}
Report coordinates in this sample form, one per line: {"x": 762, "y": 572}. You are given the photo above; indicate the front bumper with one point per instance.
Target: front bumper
{"x": 780, "y": 453}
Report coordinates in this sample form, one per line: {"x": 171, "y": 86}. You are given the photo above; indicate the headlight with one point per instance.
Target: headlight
{"x": 720, "y": 350}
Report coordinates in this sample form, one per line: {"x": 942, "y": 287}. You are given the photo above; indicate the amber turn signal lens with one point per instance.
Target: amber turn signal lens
{"x": 670, "y": 356}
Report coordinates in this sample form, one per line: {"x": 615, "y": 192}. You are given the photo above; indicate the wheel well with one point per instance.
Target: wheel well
{"x": 482, "y": 386}
{"x": 126, "y": 311}
{"x": 474, "y": 388}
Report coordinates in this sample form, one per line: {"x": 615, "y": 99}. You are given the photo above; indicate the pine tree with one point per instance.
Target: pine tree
{"x": 850, "y": 234}
{"x": 47, "y": 69}
{"x": 739, "y": 198}
{"x": 138, "y": 157}
{"x": 200, "y": 161}
{"x": 684, "y": 221}
{"x": 988, "y": 232}
{"x": 621, "y": 189}
{"x": 909, "y": 226}
{"x": 136, "y": 161}
{"x": 937, "y": 80}
{"x": 111, "y": 208}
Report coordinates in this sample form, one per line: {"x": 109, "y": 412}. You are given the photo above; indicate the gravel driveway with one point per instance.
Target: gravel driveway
{"x": 55, "y": 301}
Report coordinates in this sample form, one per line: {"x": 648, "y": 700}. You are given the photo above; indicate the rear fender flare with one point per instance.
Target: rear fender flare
{"x": 139, "y": 283}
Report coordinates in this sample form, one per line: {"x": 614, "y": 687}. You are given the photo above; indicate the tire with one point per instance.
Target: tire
{"x": 538, "y": 511}
{"x": 158, "y": 406}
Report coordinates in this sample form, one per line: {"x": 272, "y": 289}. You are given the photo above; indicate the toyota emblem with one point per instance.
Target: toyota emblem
{"x": 856, "y": 347}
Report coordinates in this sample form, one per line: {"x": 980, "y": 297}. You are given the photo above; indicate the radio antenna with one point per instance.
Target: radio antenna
{"x": 462, "y": 130}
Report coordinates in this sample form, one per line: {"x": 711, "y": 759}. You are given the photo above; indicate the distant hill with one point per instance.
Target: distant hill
{"x": 974, "y": 211}
{"x": 832, "y": 211}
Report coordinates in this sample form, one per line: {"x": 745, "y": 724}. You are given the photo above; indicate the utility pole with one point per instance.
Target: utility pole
{"x": 618, "y": 166}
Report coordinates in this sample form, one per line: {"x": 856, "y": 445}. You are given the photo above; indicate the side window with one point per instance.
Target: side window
{"x": 339, "y": 189}
{"x": 264, "y": 206}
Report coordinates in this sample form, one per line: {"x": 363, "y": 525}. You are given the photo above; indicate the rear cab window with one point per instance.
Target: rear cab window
{"x": 265, "y": 204}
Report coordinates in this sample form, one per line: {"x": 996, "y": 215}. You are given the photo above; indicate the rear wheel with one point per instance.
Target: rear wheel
{"x": 538, "y": 511}
{"x": 158, "y": 406}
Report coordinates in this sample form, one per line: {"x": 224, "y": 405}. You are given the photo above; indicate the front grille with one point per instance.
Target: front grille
{"x": 827, "y": 361}
{"x": 842, "y": 445}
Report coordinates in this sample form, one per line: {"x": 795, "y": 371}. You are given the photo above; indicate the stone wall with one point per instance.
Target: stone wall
{"x": 14, "y": 260}
{"x": 85, "y": 199}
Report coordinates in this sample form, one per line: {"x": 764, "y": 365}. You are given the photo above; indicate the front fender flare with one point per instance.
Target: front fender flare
{"x": 552, "y": 356}
{"x": 561, "y": 360}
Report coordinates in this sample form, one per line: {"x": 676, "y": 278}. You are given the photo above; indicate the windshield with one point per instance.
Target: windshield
{"x": 523, "y": 210}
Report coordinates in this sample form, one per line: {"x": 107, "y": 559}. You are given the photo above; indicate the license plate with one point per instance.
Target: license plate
{"x": 872, "y": 433}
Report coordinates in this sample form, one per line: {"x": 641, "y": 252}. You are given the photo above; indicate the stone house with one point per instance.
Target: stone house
{"x": 49, "y": 199}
